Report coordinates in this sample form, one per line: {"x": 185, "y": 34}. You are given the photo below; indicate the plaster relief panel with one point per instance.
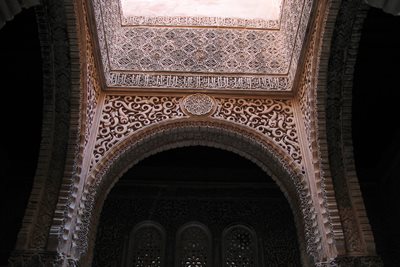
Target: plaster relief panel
{"x": 203, "y": 45}
{"x": 123, "y": 116}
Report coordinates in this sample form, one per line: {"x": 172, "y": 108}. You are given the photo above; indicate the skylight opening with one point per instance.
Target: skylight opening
{"x": 238, "y": 9}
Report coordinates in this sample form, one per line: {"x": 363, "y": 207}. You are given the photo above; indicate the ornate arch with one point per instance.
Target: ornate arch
{"x": 180, "y": 133}
{"x": 332, "y": 117}
{"x": 326, "y": 107}
{"x": 68, "y": 205}
{"x": 340, "y": 73}
{"x": 61, "y": 90}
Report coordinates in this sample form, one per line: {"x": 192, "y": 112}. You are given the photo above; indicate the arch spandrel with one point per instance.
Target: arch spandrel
{"x": 124, "y": 116}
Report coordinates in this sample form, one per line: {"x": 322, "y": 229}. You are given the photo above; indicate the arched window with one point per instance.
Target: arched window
{"x": 146, "y": 245}
{"x": 239, "y": 247}
{"x": 193, "y": 243}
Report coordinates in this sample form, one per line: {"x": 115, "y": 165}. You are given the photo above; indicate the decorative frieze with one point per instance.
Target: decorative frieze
{"x": 122, "y": 116}
{"x": 199, "y": 82}
{"x": 92, "y": 84}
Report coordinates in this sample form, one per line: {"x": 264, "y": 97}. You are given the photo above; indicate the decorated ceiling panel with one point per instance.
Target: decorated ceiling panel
{"x": 201, "y": 45}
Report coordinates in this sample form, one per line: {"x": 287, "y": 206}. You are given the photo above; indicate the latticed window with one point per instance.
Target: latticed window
{"x": 239, "y": 247}
{"x": 147, "y": 245}
{"x": 193, "y": 246}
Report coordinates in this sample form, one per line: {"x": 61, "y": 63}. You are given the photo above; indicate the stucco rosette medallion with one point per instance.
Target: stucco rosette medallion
{"x": 198, "y": 105}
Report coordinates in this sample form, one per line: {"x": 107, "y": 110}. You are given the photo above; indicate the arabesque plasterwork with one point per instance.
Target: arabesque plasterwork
{"x": 122, "y": 116}
{"x": 171, "y": 57}
{"x": 207, "y": 69}
{"x": 126, "y": 116}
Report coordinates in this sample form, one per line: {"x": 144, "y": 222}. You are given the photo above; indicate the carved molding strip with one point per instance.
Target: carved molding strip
{"x": 92, "y": 83}
{"x": 200, "y": 82}
{"x": 338, "y": 91}
{"x": 89, "y": 100}
{"x": 307, "y": 99}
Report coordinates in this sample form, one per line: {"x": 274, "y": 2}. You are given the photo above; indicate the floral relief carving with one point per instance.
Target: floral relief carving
{"x": 124, "y": 115}
{"x": 210, "y": 58}
{"x": 199, "y": 50}
{"x": 272, "y": 118}
{"x": 307, "y": 93}
{"x": 294, "y": 179}
{"x": 198, "y": 104}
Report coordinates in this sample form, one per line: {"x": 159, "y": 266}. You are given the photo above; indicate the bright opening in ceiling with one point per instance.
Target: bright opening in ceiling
{"x": 241, "y": 9}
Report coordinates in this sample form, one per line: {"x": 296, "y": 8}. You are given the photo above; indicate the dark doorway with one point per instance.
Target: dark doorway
{"x": 206, "y": 186}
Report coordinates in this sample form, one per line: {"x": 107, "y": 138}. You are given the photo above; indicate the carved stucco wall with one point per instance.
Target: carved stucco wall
{"x": 108, "y": 130}
{"x": 213, "y": 58}
{"x": 272, "y": 121}
{"x": 66, "y": 213}
{"x": 337, "y": 109}
{"x": 183, "y": 133}
{"x": 335, "y": 178}
{"x": 126, "y": 116}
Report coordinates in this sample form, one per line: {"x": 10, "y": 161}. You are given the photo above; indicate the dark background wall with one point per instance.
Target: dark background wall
{"x": 376, "y": 131}
{"x": 376, "y": 128}
{"x": 21, "y": 120}
{"x": 207, "y": 185}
